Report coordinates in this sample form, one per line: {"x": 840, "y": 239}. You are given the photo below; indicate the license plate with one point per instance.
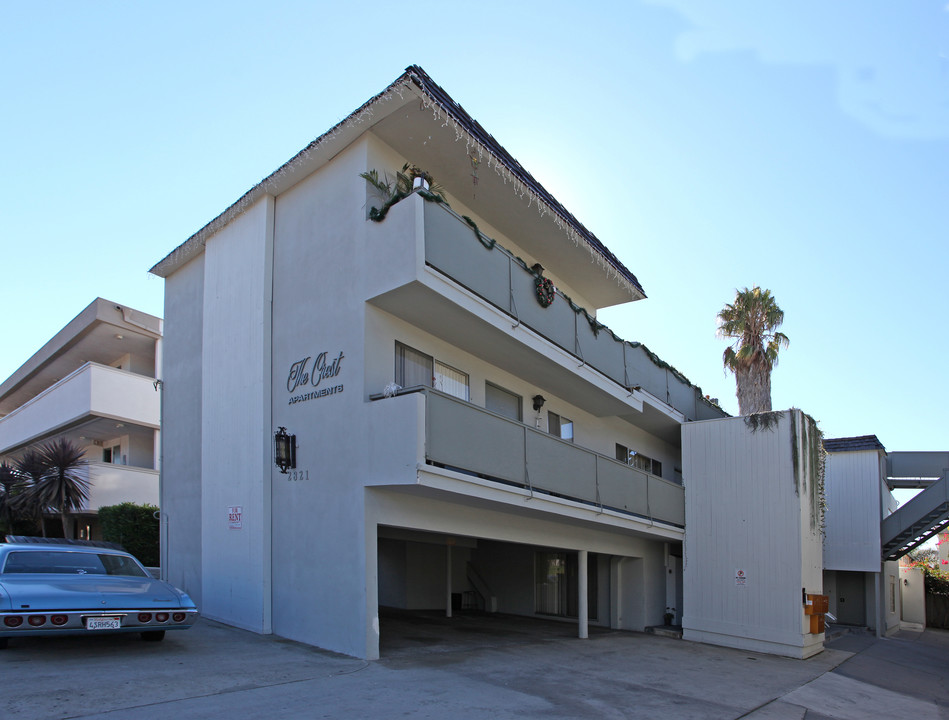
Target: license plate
{"x": 103, "y": 623}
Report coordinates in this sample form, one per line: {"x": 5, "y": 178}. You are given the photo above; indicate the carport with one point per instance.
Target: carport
{"x": 437, "y": 556}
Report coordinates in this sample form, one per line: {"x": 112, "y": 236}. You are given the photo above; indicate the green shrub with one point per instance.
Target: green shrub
{"x": 937, "y": 582}
{"x": 134, "y": 527}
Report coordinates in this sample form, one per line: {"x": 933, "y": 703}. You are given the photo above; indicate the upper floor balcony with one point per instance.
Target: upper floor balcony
{"x": 90, "y": 393}
{"x": 423, "y": 427}
{"x": 424, "y": 255}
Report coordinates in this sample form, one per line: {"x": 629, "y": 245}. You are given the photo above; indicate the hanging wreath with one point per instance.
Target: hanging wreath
{"x": 545, "y": 291}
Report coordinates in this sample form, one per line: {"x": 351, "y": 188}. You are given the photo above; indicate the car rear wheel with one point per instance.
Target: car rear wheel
{"x": 153, "y": 635}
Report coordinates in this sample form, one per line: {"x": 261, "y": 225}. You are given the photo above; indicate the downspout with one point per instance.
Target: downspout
{"x": 159, "y": 462}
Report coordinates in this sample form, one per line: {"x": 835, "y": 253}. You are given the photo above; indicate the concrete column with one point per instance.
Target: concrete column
{"x": 881, "y": 617}
{"x": 583, "y": 604}
{"x": 448, "y": 581}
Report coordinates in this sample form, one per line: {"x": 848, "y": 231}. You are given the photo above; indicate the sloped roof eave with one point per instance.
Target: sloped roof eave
{"x": 417, "y": 79}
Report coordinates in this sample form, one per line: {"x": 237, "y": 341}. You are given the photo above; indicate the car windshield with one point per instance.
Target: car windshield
{"x": 63, "y": 562}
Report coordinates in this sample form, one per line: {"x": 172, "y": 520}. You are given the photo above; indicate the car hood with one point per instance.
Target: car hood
{"x": 93, "y": 592}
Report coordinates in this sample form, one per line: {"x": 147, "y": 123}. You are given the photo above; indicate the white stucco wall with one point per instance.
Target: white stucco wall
{"x": 235, "y": 400}
{"x": 319, "y": 564}
{"x": 749, "y": 514}
{"x": 912, "y": 595}
{"x": 181, "y": 472}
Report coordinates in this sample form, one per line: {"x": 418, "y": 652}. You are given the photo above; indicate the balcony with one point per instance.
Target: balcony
{"x": 114, "y": 484}
{"x": 420, "y": 245}
{"x": 91, "y": 391}
{"x": 424, "y": 426}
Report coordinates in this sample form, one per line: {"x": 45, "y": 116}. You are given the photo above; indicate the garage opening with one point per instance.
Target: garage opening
{"x": 438, "y": 591}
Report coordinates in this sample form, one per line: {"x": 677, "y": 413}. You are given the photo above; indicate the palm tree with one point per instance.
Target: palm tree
{"x": 751, "y": 321}
{"x": 31, "y": 468}
{"x": 64, "y": 485}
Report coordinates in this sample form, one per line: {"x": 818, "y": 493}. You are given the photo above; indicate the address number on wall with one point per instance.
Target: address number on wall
{"x": 298, "y": 475}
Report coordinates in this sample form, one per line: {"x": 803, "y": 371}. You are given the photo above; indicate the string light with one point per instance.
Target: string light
{"x": 366, "y": 113}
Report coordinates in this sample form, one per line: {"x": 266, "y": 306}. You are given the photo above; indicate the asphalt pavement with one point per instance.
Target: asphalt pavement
{"x": 469, "y": 667}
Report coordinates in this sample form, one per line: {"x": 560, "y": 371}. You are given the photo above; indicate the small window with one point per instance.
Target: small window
{"x": 503, "y": 402}
{"x": 113, "y": 455}
{"x": 638, "y": 460}
{"x": 451, "y": 381}
{"x": 412, "y": 368}
{"x": 559, "y": 426}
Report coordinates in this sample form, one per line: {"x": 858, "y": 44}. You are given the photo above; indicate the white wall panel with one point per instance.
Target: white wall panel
{"x": 852, "y": 487}
{"x": 235, "y": 464}
{"x": 748, "y": 509}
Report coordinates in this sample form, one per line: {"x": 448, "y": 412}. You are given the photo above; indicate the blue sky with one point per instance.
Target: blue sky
{"x": 801, "y": 146}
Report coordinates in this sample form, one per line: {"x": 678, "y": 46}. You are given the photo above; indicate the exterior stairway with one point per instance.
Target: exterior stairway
{"x": 916, "y": 521}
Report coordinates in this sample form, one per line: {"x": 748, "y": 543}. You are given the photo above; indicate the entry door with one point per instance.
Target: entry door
{"x": 851, "y": 599}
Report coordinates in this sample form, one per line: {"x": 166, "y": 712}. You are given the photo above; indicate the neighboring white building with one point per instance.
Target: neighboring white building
{"x": 863, "y": 589}
{"x": 867, "y": 531}
{"x": 460, "y": 441}
{"x": 93, "y": 383}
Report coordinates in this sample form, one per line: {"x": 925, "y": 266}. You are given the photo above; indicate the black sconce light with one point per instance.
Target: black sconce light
{"x": 284, "y": 450}
{"x": 538, "y": 402}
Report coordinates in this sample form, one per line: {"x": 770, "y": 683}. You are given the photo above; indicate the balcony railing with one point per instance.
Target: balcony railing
{"x": 114, "y": 484}
{"x": 453, "y": 248}
{"x": 92, "y": 390}
{"x": 463, "y": 437}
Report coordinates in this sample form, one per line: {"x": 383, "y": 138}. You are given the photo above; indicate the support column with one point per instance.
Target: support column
{"x": 880, "y": 613}
{"x": 583, "y": 600}
{"x": 448, "y": 581}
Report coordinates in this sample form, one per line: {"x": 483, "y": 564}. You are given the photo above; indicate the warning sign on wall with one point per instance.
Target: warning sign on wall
{"x": 740, "y": 578}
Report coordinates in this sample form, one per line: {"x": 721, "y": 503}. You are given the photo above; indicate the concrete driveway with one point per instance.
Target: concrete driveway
{"x": 513, "y": 667}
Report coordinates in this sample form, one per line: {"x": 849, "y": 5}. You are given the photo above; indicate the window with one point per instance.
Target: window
{"x": 71, "y": 563}
{"x": 451, "y": 381}
{"x": 414, "y": 368}
{"x": 556, "y": 584}
{"x": 113, "y": 455}
{"x": 638, "y": 460}
{"x": 502, "y": 402}
{"x": 559, "y": 426}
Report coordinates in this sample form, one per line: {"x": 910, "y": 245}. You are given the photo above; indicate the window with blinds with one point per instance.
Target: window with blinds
{"x": 414, "y": 368}
{"x": 503, "y": 402}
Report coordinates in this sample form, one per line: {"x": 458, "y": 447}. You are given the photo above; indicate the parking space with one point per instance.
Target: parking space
{"x": 466, "y": 667}
{"x": 409, "y": 632}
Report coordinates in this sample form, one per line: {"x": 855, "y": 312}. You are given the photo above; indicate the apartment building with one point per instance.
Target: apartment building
{"x": 376, "y": 399}
{"x": 94, "y": 384}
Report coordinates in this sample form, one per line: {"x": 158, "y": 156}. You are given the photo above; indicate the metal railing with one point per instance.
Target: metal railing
{"x": 466, "y": 438}
{"x": 494, "y": 274}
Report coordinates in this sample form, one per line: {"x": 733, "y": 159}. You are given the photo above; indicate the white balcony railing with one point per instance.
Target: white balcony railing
{"x": 114, "y": 484}
{"x": 91, "y": 391}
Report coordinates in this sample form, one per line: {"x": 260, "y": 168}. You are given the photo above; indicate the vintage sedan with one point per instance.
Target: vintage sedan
{"x": 51, "y": 589}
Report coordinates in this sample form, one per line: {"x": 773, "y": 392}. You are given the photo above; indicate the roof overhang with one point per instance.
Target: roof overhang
{"x": 418, "y": 119}
{"x": 104, "y": 330}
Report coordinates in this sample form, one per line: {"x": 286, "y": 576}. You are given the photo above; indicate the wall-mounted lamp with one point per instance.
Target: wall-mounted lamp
{"x": 538, "y": 402}
{"x": 905, "y": 581}
{"x": 284, "y": 450}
